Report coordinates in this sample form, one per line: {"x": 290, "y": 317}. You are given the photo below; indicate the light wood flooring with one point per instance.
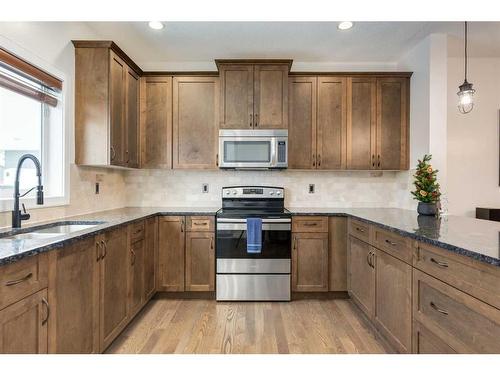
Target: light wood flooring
{"x": 206, "y": 326}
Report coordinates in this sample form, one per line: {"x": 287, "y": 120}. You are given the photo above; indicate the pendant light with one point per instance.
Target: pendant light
{"x": 466, "y": 92}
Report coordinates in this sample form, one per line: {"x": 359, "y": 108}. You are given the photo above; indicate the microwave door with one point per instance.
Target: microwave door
{"x": 246, "y": 152}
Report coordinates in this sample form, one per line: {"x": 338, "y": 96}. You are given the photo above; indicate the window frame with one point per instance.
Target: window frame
{"x": 6, "y": 204}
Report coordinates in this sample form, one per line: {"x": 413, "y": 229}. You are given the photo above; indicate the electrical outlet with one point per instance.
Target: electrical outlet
{"x": 311, "y": 188}
{"x": 204, "y": 188}
{"x": 97, "y": 187}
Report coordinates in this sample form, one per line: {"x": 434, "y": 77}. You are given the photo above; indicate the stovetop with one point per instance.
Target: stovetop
{"x": 244, "y": 213}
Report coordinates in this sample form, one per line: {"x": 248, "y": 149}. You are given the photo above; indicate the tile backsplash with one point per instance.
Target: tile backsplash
{"x": 331, "y": 189}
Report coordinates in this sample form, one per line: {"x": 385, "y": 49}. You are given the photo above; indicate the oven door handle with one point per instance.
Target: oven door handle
{"x": 264, "y": 221}
{"x": 243, "y": 227}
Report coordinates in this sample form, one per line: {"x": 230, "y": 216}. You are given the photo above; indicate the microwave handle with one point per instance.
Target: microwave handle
{"x": 274, "y": 151}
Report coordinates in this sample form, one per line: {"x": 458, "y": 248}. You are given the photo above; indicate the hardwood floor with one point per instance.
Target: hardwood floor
{"x": 209, "y": 327}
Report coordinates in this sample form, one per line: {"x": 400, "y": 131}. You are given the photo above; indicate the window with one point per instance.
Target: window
{"x": 31, "y": 121}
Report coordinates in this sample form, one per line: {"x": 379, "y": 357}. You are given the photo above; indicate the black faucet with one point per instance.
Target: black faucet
{"x": 17, "y": 216}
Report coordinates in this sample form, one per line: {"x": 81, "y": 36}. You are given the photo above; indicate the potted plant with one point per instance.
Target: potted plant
{"x": 426, "y": 187}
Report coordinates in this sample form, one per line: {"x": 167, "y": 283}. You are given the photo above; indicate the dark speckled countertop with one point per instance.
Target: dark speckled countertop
{"x": 478, "y": 239}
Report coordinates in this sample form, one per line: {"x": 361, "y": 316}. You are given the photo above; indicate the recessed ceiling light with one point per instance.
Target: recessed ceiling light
{"x": 157, "y": 25}
{"x": 345, "y": 25}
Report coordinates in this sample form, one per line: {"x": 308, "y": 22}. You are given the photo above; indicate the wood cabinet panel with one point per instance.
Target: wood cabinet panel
{"x": 171, "y": 234}
{"x": 150, "y": 257}
{"x": 392, "y": 123}
{"x": 270, "y": 103}
{"x": 337, "y": 253}
{"x": 393, "y": 244}
{"x": 302, "y": 93}
{"x": 132, "y": 119}
{"x": 309, "y": 224}
{"x": 156, "y": 122}
{"x": 114, "y": 285}
{"x": 361, "y": 275}
{"x": 23, "y": 325}
{"x": 23, "y": 278}
{"x": 359, "y": 229}
{"x": 310, "y": 262}
{"x": 136, "y": 277}
{"x": 236, "y": 96}
{"x": 361, "y": 123}
{"x": 393, "y": 302}
{"x": 200, "y": 223}
{"x": 74, "y": 298}
{"x": 331, "y": 123}
{"x": 200, "y": 261}
{"x": 118, "y": 71}
{"x": 426, "y": 342}
{"x": 195, "y": 121}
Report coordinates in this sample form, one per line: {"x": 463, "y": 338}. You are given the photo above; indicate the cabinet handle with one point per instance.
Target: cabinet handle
{"x": 391, "y": 243}
{"x": 378, "y": 164}
{"x": 182, "y": 226}
{"x": 294, "y": 243}
{"x": 374, "y": 259}
{"x": 360, "y": 229}
{"x": 310, "y": 224}
{"x": 368, "y": 256}
{"x": 97, "y": 251}
{"x": 319, "y": 160}
{"x": 433, "y": 305}
{"x": 251, "y": 120}
{"x": 373, "y": 160}
{"x": 104, "y": 248}
{"x": 217, "y": 160}
{"x": 113, "y": 153}
{"x": 256, "y": 119}
{"x": 132, "y": 259}
{"x": 314, "y": 160}
{"x": 19, "y": 281}
{"x": 44, "y": 301}
{"x": 211, "y": 243}
{"x": 439, "y": 264}
{"x": 205, "y": 223}
{"x": 128, "y": 156}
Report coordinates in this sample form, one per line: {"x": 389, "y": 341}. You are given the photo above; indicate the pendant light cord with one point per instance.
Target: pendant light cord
{"x": 465, "y": 50}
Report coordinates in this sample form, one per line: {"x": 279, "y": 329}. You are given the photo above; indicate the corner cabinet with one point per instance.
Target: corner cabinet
{"x": 106, "y": 106}
{"x": 254, "y": 94}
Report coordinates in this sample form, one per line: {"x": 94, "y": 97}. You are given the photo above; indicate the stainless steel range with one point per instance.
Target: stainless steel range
{"x": 243, "y": 275}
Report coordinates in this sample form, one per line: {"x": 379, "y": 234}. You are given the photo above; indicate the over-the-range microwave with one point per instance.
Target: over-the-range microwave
{"x": 253, "y": 149}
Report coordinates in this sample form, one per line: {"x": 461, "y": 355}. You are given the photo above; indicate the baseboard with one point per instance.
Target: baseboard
{"x": 184, "y": 295}
{"x": 319, "y": 295}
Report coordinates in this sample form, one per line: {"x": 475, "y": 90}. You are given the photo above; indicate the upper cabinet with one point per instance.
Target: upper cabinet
{"x": 106, "y": 105}
{"x": 253, "y": 94}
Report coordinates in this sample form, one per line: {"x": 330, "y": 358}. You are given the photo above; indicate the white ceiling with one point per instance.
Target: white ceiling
{"x": 197, "y": 44}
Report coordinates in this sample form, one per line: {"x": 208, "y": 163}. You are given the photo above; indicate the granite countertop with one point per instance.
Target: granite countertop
{"x": 474, "y": 238}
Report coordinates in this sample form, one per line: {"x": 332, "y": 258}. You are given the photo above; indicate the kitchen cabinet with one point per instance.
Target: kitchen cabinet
{"x": 361, "y": 275}
{"x": 309, "y": 262}
{"x": 426, "y": 342}
{"x": 156, "y": 122}
{"x": 254, "y": 94}
{"x": 136, "y": 264}
{"x": 195, "y": 121}
{"x": 74, "y": 297}
{"x": 23, "y": 325}
{"x": 114, "y": 278}
{"x": 337, "y": 253}
{"x": 106, "y": 105}
{"x": 200, "y": 261}
{"x": 393, "y": 300}
{"x": 171, "y": 244}
{"x": 150, "y": 257}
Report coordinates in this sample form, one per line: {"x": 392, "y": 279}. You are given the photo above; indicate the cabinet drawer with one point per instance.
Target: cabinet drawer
{"x": 309, "y": 224}
{"x": 477, "y": 279}
{"x": 394, "y": 244}
{"x": 23, "y": 278}
{"x": 199, "y": 224}
{"x": 359, "y": 230}
{"x": 463, "y": 322}
{"x": 425, "y": 342}
{"x": 136, "y": 231}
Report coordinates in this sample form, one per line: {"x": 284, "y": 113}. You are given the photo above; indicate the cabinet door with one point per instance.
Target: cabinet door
{"x": 156, "y": 122}
{"x": 331, "y": 129}
{"x": 74, "y": 296}
{"x": 195, "y": 122}
{"x": 361, "y": 123}
{"x": 136, "y": 285}
{"x": 23, "y": 325}
{"x": 150, "y": 257}
{"x": 361, "y": 275}
{"x": 236, "y": 103}
{"x": 118, "y": 71}
{"x": 200, "y": 261}
{"x": 114, "y": 285}
{"x": 270, "y": 103}
{"x": 392, "y": 123}
{"x": 132, "y": 119}
{"x": 171, "y": 242}
{"x": 302, "y": 93}
{"x": 337, "y": 245}
{"x": 393, "y": 314}
{"x": 310, "y": 262}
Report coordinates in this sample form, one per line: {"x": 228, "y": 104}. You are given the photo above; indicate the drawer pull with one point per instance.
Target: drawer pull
{"x": 105, "y": 248}
{"x": 440, "y": 264}
{"x": 310, "y": 224}
{"x": 205, "y": 223}
{"x": 391, "y": 243}
{"x": 19, "y": 281}
{"x": 44, "y": 301}
{"x": 360, "y": 229}
{"x": 132, "y": 258}
{"x": 441, "y": 311}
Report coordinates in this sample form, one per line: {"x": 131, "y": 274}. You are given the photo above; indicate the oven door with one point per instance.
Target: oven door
{"x": 232, "y": 239}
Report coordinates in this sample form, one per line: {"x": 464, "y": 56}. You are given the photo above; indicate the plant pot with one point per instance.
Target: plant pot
{"x": 429, "y": 209}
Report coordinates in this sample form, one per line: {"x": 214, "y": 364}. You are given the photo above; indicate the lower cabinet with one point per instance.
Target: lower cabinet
{"x": 150, "y": 257}
{"x": 200, "y": 261}
{"x": 136, "y": 286}
{"x": 171, "y": 234}
{"x": 23, "y": 325}
{"x": 426, "y": 342}
{"x": 337, "y": 253}
{"x": 74, "y": 298}
{"x": 361, "y": 275}
{"x": 310, "y": 262}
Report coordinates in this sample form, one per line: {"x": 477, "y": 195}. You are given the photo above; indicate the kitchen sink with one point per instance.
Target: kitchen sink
{"x": 65, "y": 228}
{"x": 54, "y": 230}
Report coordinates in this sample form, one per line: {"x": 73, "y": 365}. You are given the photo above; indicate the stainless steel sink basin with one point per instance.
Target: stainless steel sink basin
{"x": 51, "y": 231}
{"x": 65, "y": 228}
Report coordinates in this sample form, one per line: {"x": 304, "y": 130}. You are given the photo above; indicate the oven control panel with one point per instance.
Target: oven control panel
{"x": 253, "y": 192}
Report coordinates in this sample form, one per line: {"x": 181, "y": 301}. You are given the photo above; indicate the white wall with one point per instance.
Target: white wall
{"x": 473, "y": 139}
{"x": 49, "y": 45}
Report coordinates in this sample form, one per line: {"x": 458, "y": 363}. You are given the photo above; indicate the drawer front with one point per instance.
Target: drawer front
{"x": 477, "y": 279}
{"x": 137, "y": 231}
{"x": 200, "y": 223}
{"x": 359, "y": 230}
{"x": 463, "y": 322}
{"x": 310, "y": 224}
{"x": 425, "y": 342}
{"x": 23, "y": 278}
{"x": 394, "y": 244}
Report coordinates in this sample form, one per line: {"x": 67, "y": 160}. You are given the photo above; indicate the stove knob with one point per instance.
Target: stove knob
{"x": 227, "y": 192}
{"x": 234, "y": 192}
{"x": 271, "y": 193}
{"x": 278, "y": 192}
